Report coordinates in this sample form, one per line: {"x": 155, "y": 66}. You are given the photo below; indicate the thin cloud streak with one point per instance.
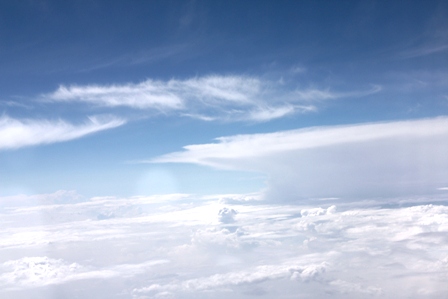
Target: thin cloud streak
{"x": 424, "y": 51}
{"x": 322, "y": 95}
{"x": 16, "y": 133}
{"x": 224, "y": 98}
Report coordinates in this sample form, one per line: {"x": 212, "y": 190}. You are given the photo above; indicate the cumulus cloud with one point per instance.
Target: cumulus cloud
{"x": 15, "y": 133}
{"x": 176, "y": 246}
{"x": 225, "y": 98}
{"x": 317, "y": 211}
{"x": 258, "y": 275}
{"x": 227, "y": 215}
{"x": 40, "y": 271}
{"x": 374, "y": 159}
{"x": 31, "y": 272}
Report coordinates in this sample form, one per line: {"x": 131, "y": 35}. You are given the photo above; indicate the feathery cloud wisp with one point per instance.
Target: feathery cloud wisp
{"x": 16, "y": 133}
{"x": 229, "y": 98}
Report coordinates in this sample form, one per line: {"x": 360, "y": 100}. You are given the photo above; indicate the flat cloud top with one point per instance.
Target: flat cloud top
{"x": 362, "y": 160}
{"x": 241, "y": 146}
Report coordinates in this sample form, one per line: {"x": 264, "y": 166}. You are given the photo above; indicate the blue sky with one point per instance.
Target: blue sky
{"x": 216, "y": 149}
{"x": 157, "y": 76}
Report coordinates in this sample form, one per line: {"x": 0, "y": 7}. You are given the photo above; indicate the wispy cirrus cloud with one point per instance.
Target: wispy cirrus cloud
{"x": 313, "y": 94}
{"x": 16, "y": 133}
{"x": 140, "y": 57}
{"x": 228, "y": 98}
{"x": 424, "y": 51}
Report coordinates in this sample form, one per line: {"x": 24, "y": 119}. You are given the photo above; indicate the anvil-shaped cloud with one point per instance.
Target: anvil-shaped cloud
{"x": 374, "y": 159}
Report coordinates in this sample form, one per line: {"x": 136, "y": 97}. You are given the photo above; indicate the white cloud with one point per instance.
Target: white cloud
{"x": 212, "y": 92}
{"x": 349, "y": 288}
{"x": 148, "y": 94}
{"x": 16, "y": 133}
{"x": 326, "y": 94}
{"x": 257, "y": 275}
{"x": 31, "y": 272}
{"x": 330, "y": 250}
{"x": 268, "y": 113}
{"x": 227, "y": 215}
{"x": 373, "y": 159}
{"x": 317, "y": 211}
{"x": 58, "y": 197}
{"x": 235, "y": 147}
{"x": 40, "y": 271}
{"x": 225, "y": 98}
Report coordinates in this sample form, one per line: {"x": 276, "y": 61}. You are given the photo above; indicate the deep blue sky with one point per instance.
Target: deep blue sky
{"x": 352, "y": 61}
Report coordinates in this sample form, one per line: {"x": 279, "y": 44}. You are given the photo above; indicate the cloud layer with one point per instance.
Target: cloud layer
{"x": 182, "y": 246}
{"x": 15, "y": 133}
{"x": 358, "y": 160}
{"x": 225, "y": 98}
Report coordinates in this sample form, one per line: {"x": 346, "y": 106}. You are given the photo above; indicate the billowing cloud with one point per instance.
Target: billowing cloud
{"x": 258, "y": 275}
{"x": 15, "y": 133}
{"x": 227, "y": 215}
{"x": 225, "y": 98}
{"x": 178, "y": 246}
{"x": 32, "y": 272}
{"x": 373, "y": 159}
